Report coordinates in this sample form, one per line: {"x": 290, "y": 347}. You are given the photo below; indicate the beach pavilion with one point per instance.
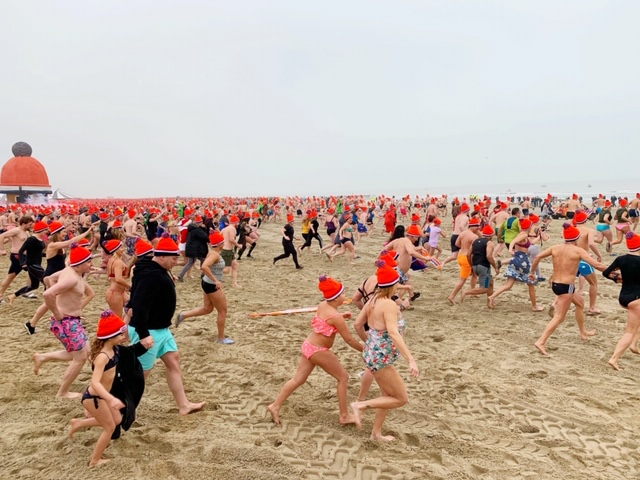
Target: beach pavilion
{"x": 23, "y": 175}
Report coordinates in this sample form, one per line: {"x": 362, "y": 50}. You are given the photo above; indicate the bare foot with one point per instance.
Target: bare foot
{"x": 357, "y": 414}
{"x": 462, "y": 295}
{"x": 382, "y": 438}
{"x": 275, "y": 414}
{"x": 74, "y": 427}
{"x": 537, "y": 308}
{"x": 615, "y": 365}
{"x": 588, "y": 333}
{"x": 237, "y": 286}
{"x": 101, "y": 461}
{"x": 191, "y": 408}
{"x": 451, "y": 301}
{"x": 69, "y": 396}
{"x": 594, "y": 311}
{"x": 11, "y": 298}
{"x": 348, "y": 420}
{"x": 634, "y": 350}
{"x": 540, "y": 347}
{"x": 38, "y": 360}
{"x": 490, "y": 303}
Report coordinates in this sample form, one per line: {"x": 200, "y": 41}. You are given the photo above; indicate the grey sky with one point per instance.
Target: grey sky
{"x": 154, "y": 98}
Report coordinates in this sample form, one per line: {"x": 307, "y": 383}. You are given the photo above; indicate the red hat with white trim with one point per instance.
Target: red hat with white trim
{"x": 112, "y": 245}
{"x": 488, "y": 231}
{"x": 386, "y": 275}
{"x": 166, "y": 247}
{"x": 143, "y": 248}
{"x": 55, "y": 227}
{"x": 330, "y": 288}
{"x": 464, "y": 208}
{"x": 216, "y": 239}
{"x": 633, "y": 241}
{"x": 474, "y": 222}
{"x": 78, "y": 255}
{"x": 110, "y": 325}
{"x": 580, "y": 217}
{"x": 570, "y": 233}
{"x": 40, "y": 227}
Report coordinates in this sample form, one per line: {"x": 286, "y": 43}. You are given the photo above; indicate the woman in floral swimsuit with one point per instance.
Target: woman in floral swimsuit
{"x": 383, "y": 347}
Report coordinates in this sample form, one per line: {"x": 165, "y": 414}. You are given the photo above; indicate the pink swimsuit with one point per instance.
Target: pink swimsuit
{"x": 320, "y": 326}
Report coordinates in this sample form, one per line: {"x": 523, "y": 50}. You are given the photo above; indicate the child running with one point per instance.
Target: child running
{"x": 99, "y": 403}
{"x": 316, "y": 350}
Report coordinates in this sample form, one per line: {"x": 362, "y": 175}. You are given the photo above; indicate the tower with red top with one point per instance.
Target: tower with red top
{"x": 23, "y": 175}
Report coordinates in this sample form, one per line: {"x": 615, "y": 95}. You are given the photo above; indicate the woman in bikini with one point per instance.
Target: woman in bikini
{"x": 626, "y": 270}
{"x": 346, "y": 234}
{"x": 382, "y": 348}
{"x": 316, "y": 350}
{"x": 622, "y": 222}
{"x": 537, "y": 237}
{"x": 102, "y": 406}
{"x": 211, "y": 283}
{"x": 519, "y": 267}
{"x": 117, "y": 294}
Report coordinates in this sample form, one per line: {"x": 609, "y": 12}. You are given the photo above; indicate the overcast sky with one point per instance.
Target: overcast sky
{"x": 158, "y": 98}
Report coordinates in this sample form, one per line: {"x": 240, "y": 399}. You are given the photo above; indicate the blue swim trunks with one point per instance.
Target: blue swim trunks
{"x": 584, "y": 269}
{"x": 163, "y": 342}
{"x": 602, "y": 227}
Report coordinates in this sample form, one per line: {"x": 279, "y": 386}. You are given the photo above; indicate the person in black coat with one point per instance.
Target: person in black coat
{"x": 197, "y": 245}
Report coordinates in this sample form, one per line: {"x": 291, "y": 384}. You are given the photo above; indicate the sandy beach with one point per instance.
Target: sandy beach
{"x": 487, "y": 405}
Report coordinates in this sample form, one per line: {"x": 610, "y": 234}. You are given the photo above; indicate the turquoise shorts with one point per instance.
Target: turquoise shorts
{"x": 163, "y": 342}
{"x": 602, "y": 227}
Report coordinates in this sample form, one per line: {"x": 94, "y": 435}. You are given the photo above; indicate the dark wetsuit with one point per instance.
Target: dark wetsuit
{"x": 55, "y": 263}
{"x": 629, "y": 266}
{"x": 289, "y": 248}
{"x": 31, "y": 258}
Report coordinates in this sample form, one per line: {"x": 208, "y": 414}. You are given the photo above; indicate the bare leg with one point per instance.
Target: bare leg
{"x": 365, "y": 385}
{"x": 78, "y": 423}
{"x": 328, "y": 361}
{"x": 562, "y": 306}
{"x": 593, "y": 293}
{"x": 57, "y": 356}
{"x": 171, "y": 361}
{"x": 579, "y": 303}
{"x": 507, "y": 286}
{"x": 40, "y": 312}
{"x": 532, "y": 296}
{"x": 633, "y": 324}
{"x": 71, "y": 373}
{"x": 305, "y": 367}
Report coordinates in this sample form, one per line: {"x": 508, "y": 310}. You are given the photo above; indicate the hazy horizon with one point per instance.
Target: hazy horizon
{"x": 153, "y": 99}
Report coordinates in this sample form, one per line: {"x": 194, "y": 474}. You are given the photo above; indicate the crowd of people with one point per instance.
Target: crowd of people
{"x": 141, "y": 243}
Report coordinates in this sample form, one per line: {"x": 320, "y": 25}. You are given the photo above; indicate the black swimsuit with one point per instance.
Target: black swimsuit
{"x": 112, "y": 363}
{"x": 629, "y": 266}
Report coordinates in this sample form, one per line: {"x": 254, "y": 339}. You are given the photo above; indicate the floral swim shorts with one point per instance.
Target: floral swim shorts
{"x": 71, "y": 333}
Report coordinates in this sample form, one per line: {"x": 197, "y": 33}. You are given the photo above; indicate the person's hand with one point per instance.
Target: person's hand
{"x": 147, "y": 342}
{"x": 413, "y": 366}
{"x": 346, "y": 314}
{"x": 116, "y": 403}
{"x": 532, "y": 276}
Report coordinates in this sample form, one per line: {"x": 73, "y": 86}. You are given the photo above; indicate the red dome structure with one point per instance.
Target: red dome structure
{"x": 23, "y": 175}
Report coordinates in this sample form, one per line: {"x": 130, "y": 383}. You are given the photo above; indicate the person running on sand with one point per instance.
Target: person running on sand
{"x": 316, "y": 350}
{"x": 65, "y": 300}
{"x": 603, "y": 227}
{"x": 152, "y": 305}
{"x": 460, "y": 224}
{"x": 103, "y": 407}
{"x": 117, "y": 295}
{"x": 566, "y": 262}
{"x": 586, "y": 242}
{"x": 230, "y": 232}
{"x": 30, "y": 254}
{"x": 346, "y": 234}
{"x": 622, "y": 222}
{"x": 482, "y": 260}
{"x": 287, "y": 243}
{"x": 55, "y": 255}
{"x": 464, "y": 243}
{"x": 17, "y": 236}
{"x": 382, "y": 348}
{"x": 628, "y": 267}
{"x": 519, "y": 267}
{"x": 212, "y": 269}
